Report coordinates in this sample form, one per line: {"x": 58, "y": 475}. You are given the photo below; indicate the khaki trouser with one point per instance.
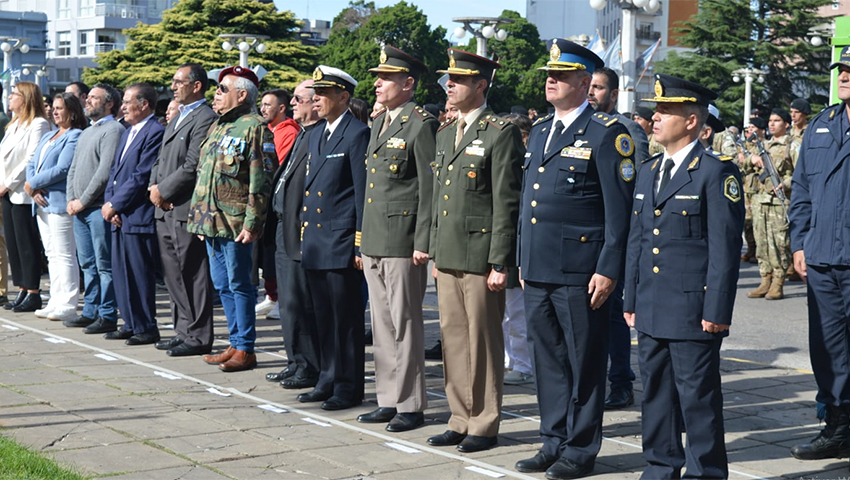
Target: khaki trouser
{"x": 772, "y": 238}
{"x": 396, "y": 290}
{"x": 473, "y": 350}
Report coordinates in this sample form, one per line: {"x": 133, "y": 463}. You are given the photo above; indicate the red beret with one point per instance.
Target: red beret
{"x": 240, "y": 72}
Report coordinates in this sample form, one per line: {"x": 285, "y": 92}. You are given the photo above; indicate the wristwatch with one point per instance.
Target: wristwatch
{"x": 498, "y": 268}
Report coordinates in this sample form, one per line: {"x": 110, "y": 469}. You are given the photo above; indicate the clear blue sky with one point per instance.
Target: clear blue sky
{"x": 439, "y": 12}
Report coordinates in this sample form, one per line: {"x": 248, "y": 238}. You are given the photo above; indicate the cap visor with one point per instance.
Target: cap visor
{"x": 389, "y": 69}
{"x": 459, "y": 71}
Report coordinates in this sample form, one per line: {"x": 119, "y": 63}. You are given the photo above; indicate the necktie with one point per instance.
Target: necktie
{"x": 460, "y": 126}
{"x": 385, "y": 124}
{"x": 557, "y": 131}
{"x": 665, "y": 175}
{"x": 324, "y": 140}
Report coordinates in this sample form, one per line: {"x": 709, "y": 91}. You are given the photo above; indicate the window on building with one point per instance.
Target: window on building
{"x": 64, "y": 10}
{"x": 63, "y": 44}
{"x": 63, "y": 75}
{"x": 87, "y": 43}
{"x": 87, "y": 8}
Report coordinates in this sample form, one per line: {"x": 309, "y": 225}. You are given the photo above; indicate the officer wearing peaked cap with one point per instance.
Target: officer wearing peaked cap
{"x": 396, "y": 232}
{"x": 579, "y": 176}
{"x": 820, "y": 242}
{"x": 331, "y": 223}
{"x": 477, "y": 172}
{"x": 681, "y": 275}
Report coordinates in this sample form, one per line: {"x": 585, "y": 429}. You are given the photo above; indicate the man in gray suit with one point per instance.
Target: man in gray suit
{"x": 184, "y": 257}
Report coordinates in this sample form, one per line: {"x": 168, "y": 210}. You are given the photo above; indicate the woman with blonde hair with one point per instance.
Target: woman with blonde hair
{"x": 23, "y": 133}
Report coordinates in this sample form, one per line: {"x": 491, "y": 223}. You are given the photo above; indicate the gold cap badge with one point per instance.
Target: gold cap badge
{"x": 383, "y": 58}
{"x": 317, "y": 74}
{"x": 554, "y": 52}
{"x": 659, "y": 90}
{"x": 452, "y": 62}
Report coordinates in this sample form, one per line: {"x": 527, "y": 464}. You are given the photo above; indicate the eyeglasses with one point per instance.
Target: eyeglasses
{"x": 224, "y": 89}
{"x": 301, "y": 99}
{"x": 180, "y": 82}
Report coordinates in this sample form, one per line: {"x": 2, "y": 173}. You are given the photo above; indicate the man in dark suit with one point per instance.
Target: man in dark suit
{"x": 681, "y": 273}
{"x": 297, "y": 319}
{"x": 396, "y": 231}
{"x": 332, "y": 216}
{"x": 132, "y": 216}
{"x": 185, "y": 263}
{"x": 473, "y": 242}
{"x": 579, "y": 173}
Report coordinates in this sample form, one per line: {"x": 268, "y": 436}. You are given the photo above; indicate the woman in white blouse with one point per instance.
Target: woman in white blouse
{"x": 23, "y": 133}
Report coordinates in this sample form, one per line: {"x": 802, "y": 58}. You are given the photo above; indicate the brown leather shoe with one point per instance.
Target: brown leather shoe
{"x": 240, "y": 360}
{"x": 221, "y": 357}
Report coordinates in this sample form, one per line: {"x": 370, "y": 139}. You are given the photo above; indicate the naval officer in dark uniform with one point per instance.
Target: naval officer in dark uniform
{"x": 579, "y": 176}
{"x": 820, "y": 242}
{"x": 681, "y": 275}
{"x": 396, "y": 232}
{"x": 473, "y": 242}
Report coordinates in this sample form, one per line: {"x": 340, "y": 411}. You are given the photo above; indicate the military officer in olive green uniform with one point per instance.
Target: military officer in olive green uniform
{"x": 770, "y": 225}
{"x": 477, "y": 172}
{"x": 394, "y": 242}
{"x": 750, "y": 184}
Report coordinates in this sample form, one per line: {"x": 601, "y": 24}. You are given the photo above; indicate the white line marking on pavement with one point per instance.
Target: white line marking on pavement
{"x": 168, "y": 376}
{"x": 311, "y": 415}
{"x": 316, "y": 422}
{"x": 106, "y": 357}
{"x": 271, "y": 408}
{"x": 218, "y": 392}
{"x": 402, "y": 448}
{"x": 482, "y": 471}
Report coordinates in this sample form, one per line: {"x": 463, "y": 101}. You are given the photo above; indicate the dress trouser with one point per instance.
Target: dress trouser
{"x": 57, "y": 233}
{"x": 133, "y": 256}
{"x": 473, "y": 350}
{"x": 186, "y": 272}
{"x": 620, "y": 374}
{"x": 569, "y": 346}
{"x": 297, "y": 318}
{"x": 23, "y": 244}
{"x": 340, "y": 326}
{"x": 682, "y": 376}
{"x": 396, "y": 290}
{"x": 828, "y": 289}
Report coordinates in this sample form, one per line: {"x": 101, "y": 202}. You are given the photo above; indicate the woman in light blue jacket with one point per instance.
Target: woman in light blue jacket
{"x": 46, "y": 175}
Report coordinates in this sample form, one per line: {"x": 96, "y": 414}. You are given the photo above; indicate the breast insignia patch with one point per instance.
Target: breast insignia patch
{"x": 731, "y": 189}
{"x": 627, "y": 170}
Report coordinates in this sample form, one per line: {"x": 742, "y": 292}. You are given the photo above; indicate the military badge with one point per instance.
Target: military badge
{"x": 471, "y": 174}
{"x": 474, "y": 150}
{"x": 624, "y": 145}
{"x": 317, "y": 74}
{"x": 627, "y": 170}
{"x": 383, "y": 58}
{"x": 393, "y": 168}
{"x": 582, "y": 153}
{"x": 654, "y": 164}
{"x": 659, "y": 90}
{"x": 268, "y": 147}
{"x": 693, "y": 163}
{"x": 554, "y": 52}
{"x": 731, "y": 189}
{"x": 579, "y": 143}
{"x": 452, "y": 62}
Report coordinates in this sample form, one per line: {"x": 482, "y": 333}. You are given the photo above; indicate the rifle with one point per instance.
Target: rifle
{"x": 770, "y": 171}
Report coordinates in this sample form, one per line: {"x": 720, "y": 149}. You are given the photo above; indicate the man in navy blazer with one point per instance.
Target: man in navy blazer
{"x": 682, "y": 262}
{"x": 331, "y": 217}
{"x": 131, "y": 214}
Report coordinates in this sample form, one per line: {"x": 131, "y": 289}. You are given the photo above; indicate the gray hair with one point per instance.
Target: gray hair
{"x": 242, "y": 83}
{"x": 701, "y": 111}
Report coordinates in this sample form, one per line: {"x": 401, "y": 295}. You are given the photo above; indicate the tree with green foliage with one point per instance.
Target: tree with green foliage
{"x": 518, "y": 82}
{"x": 766, "y": 34}
{"x": 189, "y": 33}
{"x": 355, "y": 45}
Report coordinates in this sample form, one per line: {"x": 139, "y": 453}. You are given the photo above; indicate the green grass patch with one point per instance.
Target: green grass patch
{"x": 20, "y": 463}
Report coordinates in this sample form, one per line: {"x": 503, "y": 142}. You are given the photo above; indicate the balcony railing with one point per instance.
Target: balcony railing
{"x": 107, "y": 47}
{"x": 120, "y": 11}
{"x": 647, "y": 35}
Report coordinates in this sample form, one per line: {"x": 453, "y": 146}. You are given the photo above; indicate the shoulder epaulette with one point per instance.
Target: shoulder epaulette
{"x": 829, "y": 111}
{"x": 377, "y": 114}
{"x": 654, "y": 157}
{"x": 497, "y": 122}
{"x": 421, "y": 113}
{"x": 718, "y": 155}
{"x": 446, "y": 124}
{"x": 542, "y": 119}
{"x": 605, "y": 119}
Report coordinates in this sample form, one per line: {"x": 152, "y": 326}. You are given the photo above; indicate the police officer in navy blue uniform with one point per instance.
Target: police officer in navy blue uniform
{"x": 332, "y": 216}
{"x": 579, "y": 177}
{"x": 681, "y": 273}
{"x": 820, "y": 242}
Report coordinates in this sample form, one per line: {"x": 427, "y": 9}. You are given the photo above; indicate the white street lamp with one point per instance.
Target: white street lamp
{"x": 628, "y": 41}
{"x": 37, "y": 71}
{"x": 244, "y": 43}
{"x": 749, "y": 75}
{"x": 488, "y": 28}
{"x": 8, "y": 46}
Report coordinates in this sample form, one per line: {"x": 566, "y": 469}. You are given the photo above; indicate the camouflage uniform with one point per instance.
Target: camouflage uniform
{"x": 797, "y": 136}
{"x": 750, "y": 187}
{"x": 769, "y": 223}
{"x": 234, "y": 176}
{"x": 724, "y": 142}
{"x": 654, "y": 147}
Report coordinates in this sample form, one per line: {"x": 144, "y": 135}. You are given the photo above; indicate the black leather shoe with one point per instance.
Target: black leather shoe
{"x": 435, "y": 352}
{"x": 31, "y": 303}
{"x": 298, "y": 382}
{"x": 185, "y": 350}
{"x": 403, "y": 422}
{"x": 447, "y": 438}
{"x": 118, "y": 335}
{"x": 474, "y": 443}
{"x": 339, "y": 403}
{"x": 313, "y": 396}
{"x": 281, "y": 375}
{"x": 101, "y": 325}
{"x": 832, "y": 442}
{"x": 539, "y": 463}
{"x": 22, "y": 294}
{"x": 168, "y": 344}
{"x": 564, "y": 469}
{"x": 143, "y": 339}
{"x": 379, "y": 415}
{"x": 620, "y": 398}
{"x": 78, "y": 321}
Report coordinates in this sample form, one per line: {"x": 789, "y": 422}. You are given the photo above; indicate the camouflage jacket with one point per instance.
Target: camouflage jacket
{"x": 654, "y": 147}
{"x": 234, "y": 176}
{"x": 797, "y": 136}
{"x": 783, "y": 151}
